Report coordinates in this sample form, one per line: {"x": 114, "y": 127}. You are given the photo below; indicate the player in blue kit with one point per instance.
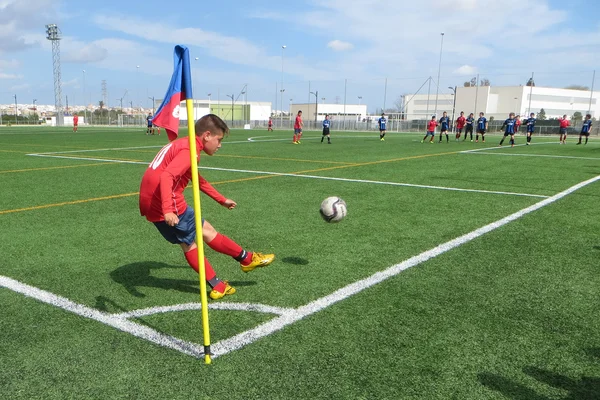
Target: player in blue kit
{"x": 326, "y": 126}
{"x": 382, "y": 122}
{"x": 469, "y": 127}
{"x": 586, "y": 128}
{"x": 530, "y": 127}
{"x": 509, "y": 129}
{"x": 482, "y": 125}
{"x": 150, "y": 129}
{"x": 444, "y": 124}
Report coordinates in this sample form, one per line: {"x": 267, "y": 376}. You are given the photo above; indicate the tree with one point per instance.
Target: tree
{"x": 471, "y": 83}
{"x": 399, "y": 103}
{"x": 577, "y": 87}
{"x": 541, "y": 115}
{"x": 485, "y": 82}
{"x": 530, "y": 82}
{"x": 577, "y": 116}
{"x": 101, "y": 104}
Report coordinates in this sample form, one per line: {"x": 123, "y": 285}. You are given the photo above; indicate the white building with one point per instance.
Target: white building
{"x": 313, "y": 111}
{"x": 242, "y": 111}
{"x": 499, "y": 101}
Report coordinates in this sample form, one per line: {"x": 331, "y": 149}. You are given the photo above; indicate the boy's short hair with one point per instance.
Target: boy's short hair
{"x": 511, "y": 114}
{"x": 588, "y": 116}
{"x": 532, "y": 114}
{"x": 299, "y": 112}
{"x": 212, "y": 123}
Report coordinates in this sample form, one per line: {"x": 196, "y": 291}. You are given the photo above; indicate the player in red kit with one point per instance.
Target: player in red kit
{"x": 460, "y": 125}
{"x": 298, "y": 128}
{"x": 270, "y": 125}
{"x": 431, "y": 125}
{"x": 562, "y": 130}
{"x": 75, "y": 122}
{"x": 162, "y": 202}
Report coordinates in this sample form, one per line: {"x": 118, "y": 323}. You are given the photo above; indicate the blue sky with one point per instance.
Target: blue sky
{"x": 327, "y": 42}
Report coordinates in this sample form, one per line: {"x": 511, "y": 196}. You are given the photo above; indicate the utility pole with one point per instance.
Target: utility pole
{"x": 16, "y": 111}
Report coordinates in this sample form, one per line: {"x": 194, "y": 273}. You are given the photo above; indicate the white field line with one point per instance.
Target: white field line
{"x": 236, "y": 342}
{"x": 287, "y": 316}
{"x": 312, "y": 177}
{"x": 92, "y": 150}
{"x": 503, "y": 147}
{"x": 261, "y": 308}
{"x": 121, "y": 324}
{"x": 537, "y": 155}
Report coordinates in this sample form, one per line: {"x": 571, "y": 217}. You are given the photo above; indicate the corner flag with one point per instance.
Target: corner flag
{"x": 167, "y": 116}
{"x": 180, "y": 88}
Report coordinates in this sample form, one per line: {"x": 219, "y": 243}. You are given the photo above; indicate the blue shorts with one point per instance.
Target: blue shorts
{"x": 183, "y": 232}
{"x": 297, "y": 130}
{"x": 432, "y": 133}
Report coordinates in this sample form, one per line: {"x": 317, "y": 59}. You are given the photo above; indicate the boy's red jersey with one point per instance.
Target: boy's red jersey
{"x": 564, "y": 123}
{"x": 298, "y": 123}
{"x": 161, "y": 190}
{"x": 460, "y": 122}
{"x": 431, "y": 126}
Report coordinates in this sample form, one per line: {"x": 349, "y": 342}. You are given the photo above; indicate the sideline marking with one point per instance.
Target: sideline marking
{"x": 286, "y": 316}
{"x": 536, "y": 155}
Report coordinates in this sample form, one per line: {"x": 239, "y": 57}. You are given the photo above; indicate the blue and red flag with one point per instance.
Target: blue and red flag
{"x": 180, "y": 88}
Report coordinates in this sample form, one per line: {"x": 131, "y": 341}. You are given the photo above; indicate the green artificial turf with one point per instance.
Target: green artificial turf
{"x": 513, "y": 314}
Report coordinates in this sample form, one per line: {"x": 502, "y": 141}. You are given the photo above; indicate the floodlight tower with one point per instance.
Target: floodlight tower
{"x": 54, "y": 35}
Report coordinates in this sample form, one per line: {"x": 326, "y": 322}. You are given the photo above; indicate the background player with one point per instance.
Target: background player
{"x": 382, "y": 125}
{"x": 270, "y": 125}
{"x": 509, "y": 129}
{"x": 482, "y": 126}
{"x": 562, "y": 129}
{"x": 444, "y": 123}
{"x": 586, "y": 128}
{"x": 460, "y": 125}
{"x": 163, "y": 203}
{"x": 75, "y": 122}
{"x": 150, "y": 128}
{"x": 530, "y": 127}
{"x": 298, "y": 124}
{"x": 469, "y": 126}
{"x": 326, "y": 126}
{"x": 430, "y": 129}
{"x": 517, "y": 123}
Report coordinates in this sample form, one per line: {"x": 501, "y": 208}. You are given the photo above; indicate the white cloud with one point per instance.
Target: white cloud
{"x": 87, "y": 53}
{"x": 338, "y": 45}
{"x": 236, "y": 50}
{"x": 465, "y": 70}
{"x": 9, "y": 76}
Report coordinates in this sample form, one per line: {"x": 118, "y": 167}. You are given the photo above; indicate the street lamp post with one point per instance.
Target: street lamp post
{"x": 282, "y": 89}
{"x": 316, "y": 105}
{"x": 453, "y": 102}
{"x": 16, "y": 111}
{"x": 209, "y": 110}
{"x": 516, "y": 112}
{"x": 153, "y": 103}
{"x": 84, "y": 105}
{"x": 232, "y": 102}
{"x": 359, "y": 100}
{"x": 35, "y": 109}
{"x": 438, "y": 77}
{"x": 137, "y": 86}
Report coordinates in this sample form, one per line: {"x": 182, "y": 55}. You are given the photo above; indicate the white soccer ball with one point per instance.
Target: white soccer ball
{"x": 333, "y": 209}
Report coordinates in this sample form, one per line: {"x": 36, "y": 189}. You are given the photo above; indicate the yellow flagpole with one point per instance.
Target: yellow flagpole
{"x": 189, "y": 103}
